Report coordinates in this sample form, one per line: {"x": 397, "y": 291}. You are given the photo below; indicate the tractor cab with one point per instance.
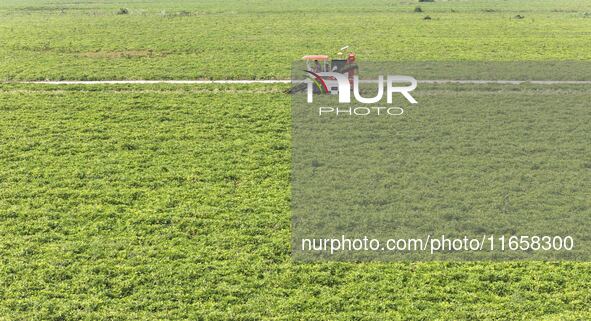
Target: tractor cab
{"x": 343, "y": 63}
{"x": 317, "y": 63}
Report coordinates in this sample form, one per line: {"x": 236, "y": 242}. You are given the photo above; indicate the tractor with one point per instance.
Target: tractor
{"x": 343, "y": 63}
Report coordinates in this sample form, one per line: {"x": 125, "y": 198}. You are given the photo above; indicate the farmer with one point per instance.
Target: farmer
{"x": 317, "y": 66}
{"x": 351, "y": 67}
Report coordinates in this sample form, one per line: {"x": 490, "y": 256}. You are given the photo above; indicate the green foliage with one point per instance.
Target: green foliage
{"x": 172, "y": 202}
{"x": 468, "y": 160}
{"x": 257, "y": 40}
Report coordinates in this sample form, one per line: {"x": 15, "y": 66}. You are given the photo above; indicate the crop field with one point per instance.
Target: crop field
{"x": 172, "y": 202}
{"x": 239, "y": 39}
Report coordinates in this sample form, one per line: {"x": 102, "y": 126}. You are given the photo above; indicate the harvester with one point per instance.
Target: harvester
{"x": 343, "y": 63}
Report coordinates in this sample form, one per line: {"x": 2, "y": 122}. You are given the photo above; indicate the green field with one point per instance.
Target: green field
{"x": 259, "y": 39}
{"x": 173, "y": 201}
{"x": 467, "y": 160}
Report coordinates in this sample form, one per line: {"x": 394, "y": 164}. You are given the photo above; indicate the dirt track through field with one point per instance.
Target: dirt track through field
{"x": 203, "y": 82}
